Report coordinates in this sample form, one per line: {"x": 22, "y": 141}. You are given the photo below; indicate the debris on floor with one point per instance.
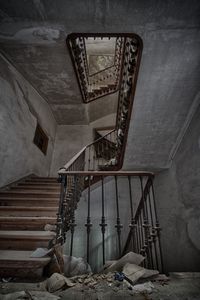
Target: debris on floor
{"x": 57, "y": 282}
{"x": 32, "y": 295}
{"x": 146, "y": 287}
{"x": 135, "y": 272}
{"x": 118, "y": 265}
{"x": 75, "y": 266}
{"x": 73, "y": 273}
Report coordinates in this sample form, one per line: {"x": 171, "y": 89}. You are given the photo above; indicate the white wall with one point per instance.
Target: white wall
{"x": 21, "y": 107}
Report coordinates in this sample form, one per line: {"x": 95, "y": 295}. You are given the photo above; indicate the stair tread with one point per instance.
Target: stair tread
{"x": 26, "y": 234}
{"x": 39, "y": 208}
{"x": 29, "y": 192}
{"x": 26, "y": 218}
{"x": 35, "y": 187}
{"x": 42, "y": 177}
{"x": 2, "y": 197}
{"x": 17, "y": 255}
{"x": 39, "y": 183}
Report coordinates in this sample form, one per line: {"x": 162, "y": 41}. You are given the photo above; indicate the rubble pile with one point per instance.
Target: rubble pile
{"x": 124, "y": 274}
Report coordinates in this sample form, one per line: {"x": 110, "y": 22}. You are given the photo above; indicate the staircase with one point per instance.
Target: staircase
{"x": 31, "y": 204}
{"x": 25, "y": 209}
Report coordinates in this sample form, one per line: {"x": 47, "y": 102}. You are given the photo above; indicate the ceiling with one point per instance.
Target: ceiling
{"x": 32, "y": 36}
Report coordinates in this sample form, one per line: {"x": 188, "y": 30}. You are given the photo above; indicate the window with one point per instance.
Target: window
{"x": 41, "y": 139}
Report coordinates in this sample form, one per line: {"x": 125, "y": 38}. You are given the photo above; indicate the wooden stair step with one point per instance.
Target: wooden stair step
{"x": 42, "y": 179}
{"x": 39, "y": 183}
{"x": 15, "y": 263}
{"x": 36, "y": 188}
{"x": 27, "y": 211}
{"x": 30, "y": 193}
{"x": 25, "y": 223}
{"x": 25, "y": 240}
{"x": 31, "y": 201}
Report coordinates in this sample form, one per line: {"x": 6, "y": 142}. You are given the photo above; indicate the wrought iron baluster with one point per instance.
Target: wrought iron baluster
{"x": 132, "y": 224}
{"x": 72, "y": 223}
{"x": 157, "y": 228}
{"x": 140, "y": 224}
{"x": 88, "y": 224}
{"x": 152, "y": 238}
{"x": 93, "y": 149}
{"x": 118, "y": 225}
{"x": 89, "y": 155}
{"x": 103, "y": 222}
{"x": 145, "y": 222}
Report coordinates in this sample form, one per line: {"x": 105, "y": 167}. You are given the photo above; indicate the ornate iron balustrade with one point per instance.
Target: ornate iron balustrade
{"x": 129, "y": 73}
{"x": 129, "y": 48}
{"x": 144, "y": 229}
{"x": 95, "y": 85}
{"x": 99, "y": 155}
{"x": 144, "y": 234}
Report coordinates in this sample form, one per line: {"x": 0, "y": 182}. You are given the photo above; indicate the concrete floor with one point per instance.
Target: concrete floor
{"x": 176, "y": 289}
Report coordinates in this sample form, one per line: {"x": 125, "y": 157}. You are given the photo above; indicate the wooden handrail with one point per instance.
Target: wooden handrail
{"x": 101, "y": 138}
{"x": 77, "y": 155}
{"x": 105, "y": 69}
{"x": 74, "y": 158}
{"x": 107, "y": 173}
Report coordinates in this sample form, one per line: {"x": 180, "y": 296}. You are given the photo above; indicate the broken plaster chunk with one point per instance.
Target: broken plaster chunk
{"x": 57, "y": 282}
{"x": 130, "y": 257}
{"x": 75, "y": 266}
{"x": 150, "y": 273}
{"x": 146, "y": 287}
{"x": 133, "y": 272}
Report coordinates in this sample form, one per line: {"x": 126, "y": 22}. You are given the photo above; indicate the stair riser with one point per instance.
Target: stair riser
{"x": 42, "y": 184}
{"x": 36, "y": 187}
{"x": 29, "y": 195}
{"x": 29, "y": 203}
{"x": 40, "y": 180}
{"x": 21, "y": 244}
{"x": 25, "y": 225}
{"x": 31, "y": 213}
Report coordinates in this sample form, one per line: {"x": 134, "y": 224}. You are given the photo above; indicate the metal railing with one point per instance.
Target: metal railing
{"x": 143, "y": 225}
{"x": 100, "y": 83}
{"x": 99, "y": 155}
{"x": 144, "y": 234}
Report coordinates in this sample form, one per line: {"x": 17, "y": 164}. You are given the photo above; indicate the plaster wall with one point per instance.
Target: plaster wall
{"x": 70, "y": 139}
{"x": 177, "y": 193}
{"x": 107, "y": 121}
{"x": 21, "y": 107}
